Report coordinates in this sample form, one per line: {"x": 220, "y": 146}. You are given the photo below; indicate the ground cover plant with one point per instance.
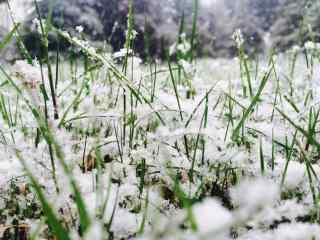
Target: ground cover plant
{"x": 101, "y": 145}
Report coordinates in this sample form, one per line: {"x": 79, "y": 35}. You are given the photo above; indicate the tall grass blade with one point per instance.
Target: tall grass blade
{"x": 255, "y": 99}
{"x": 7, "y": 39}
{"x": 56, "y": 226}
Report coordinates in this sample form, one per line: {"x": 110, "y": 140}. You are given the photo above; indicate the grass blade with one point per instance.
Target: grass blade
{"x": 254, "y": 101}
{"x": 57, "y": 228}
{"x": 7, "y": 39}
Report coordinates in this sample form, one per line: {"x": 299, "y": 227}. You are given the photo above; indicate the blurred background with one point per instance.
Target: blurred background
{"x": 265, "y": 24}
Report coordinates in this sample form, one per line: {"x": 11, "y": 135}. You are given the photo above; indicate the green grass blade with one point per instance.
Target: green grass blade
{"x": 262, "y": 163}
{"x": 175, "y": 89}
{"x": 254, "y": 101}
{"x": 194, "y": 28}
{"x": 7, "y": 39}
{"x": 57, "y": 228}
{"x": 311, "y": 138}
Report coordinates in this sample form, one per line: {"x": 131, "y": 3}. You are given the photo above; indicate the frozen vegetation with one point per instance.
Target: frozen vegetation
{"x": 101, "y": 145}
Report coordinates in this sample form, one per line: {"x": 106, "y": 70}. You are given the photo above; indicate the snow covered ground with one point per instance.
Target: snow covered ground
{"x": 207, "y": 150}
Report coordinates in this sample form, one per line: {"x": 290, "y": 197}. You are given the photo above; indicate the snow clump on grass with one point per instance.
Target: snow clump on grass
{"x": 210, "y": 216}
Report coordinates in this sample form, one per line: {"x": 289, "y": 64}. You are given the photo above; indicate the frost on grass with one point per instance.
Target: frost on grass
{"x": 162, "y": 155}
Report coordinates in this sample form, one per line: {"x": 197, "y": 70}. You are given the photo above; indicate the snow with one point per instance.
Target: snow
{"x": 210, "y": 216}
{"x": 252, "y": 195}
{"x": 145, "y": 172}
